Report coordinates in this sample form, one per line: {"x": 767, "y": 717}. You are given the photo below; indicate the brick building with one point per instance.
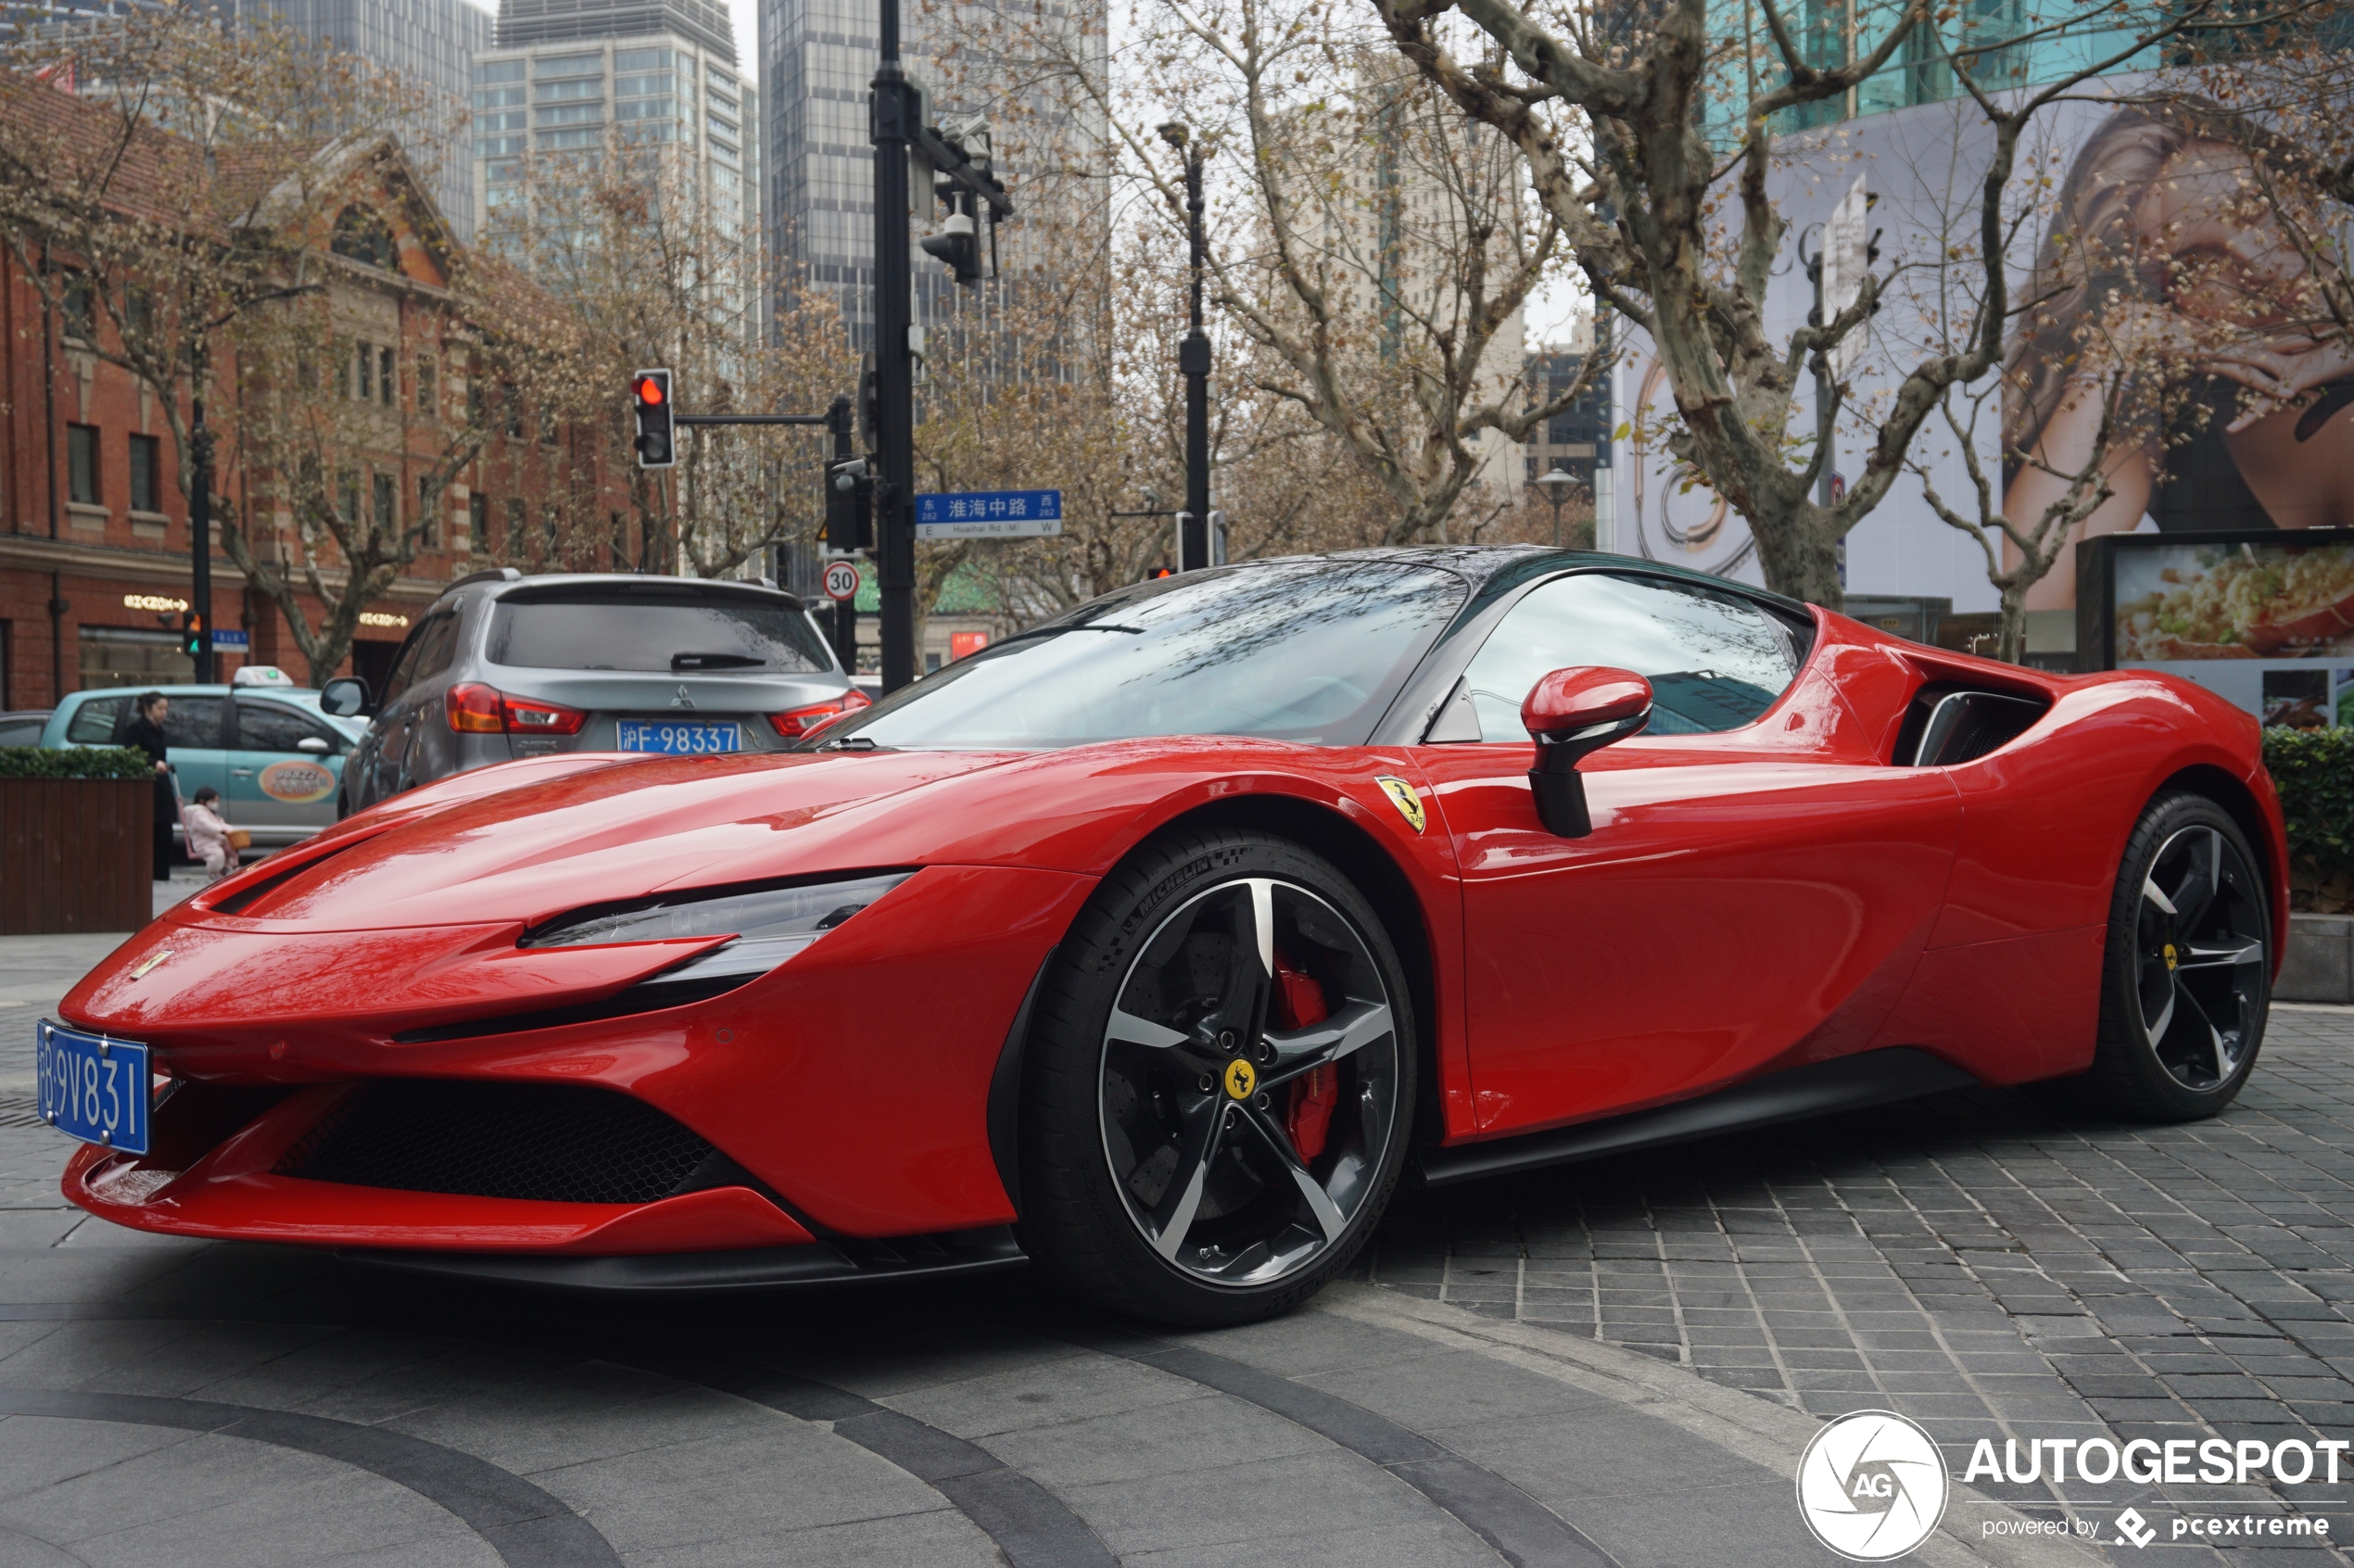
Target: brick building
{"x": 95, "y": 544}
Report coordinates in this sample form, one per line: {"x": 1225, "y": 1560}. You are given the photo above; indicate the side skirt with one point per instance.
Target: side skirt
{"x": 1872, "y": 1077}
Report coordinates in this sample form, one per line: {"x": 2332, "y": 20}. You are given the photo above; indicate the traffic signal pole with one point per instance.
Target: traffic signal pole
{"x": 200, "y": 538}
{"x": 891, "y": 126}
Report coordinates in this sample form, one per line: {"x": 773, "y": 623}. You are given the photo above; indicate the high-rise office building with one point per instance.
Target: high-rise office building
{"x": 817, "y": 58}
{"x": 432, "y": 43}
{"x": 551, "y": 86}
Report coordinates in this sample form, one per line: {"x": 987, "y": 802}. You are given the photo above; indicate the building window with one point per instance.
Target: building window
{"x": 81, "y": 310}
{"x": 547, "y": 428}
{"x": 81, "y": 464}
{"x": 387, "y": 377}
{"x": 551, "y": 525}
{"x": 362, "y": 236}
{"x": 347, "y": 496}
{"x": 427, "y": 381}
{"x": 479, "y": 515}
{"x": 143, "y": 455}
{"x": 428, "y": 514}
{"x": 364, "y": 373}
{"x": 515, "y": 540}
{"x": 385, "y": 517}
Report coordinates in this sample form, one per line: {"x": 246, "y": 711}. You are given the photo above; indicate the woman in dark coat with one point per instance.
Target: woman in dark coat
{"x": 144, "y": 733}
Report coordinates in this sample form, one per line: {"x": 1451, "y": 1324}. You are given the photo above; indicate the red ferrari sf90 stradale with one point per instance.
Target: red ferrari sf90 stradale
{"x": 1157, "y": 941}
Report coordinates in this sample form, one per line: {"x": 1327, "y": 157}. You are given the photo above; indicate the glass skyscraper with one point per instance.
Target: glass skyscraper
{"x": 431, "y": 42}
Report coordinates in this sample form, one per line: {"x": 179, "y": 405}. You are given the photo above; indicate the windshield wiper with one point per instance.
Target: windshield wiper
{"x": 713, "y": 661}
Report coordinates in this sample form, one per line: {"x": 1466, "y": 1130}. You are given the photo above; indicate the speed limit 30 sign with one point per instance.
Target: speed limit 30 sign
{"x": 842, "y": 580}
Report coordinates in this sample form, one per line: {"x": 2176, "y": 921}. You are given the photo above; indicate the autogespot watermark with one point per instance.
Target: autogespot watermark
{"x": 1872, "y": 1486}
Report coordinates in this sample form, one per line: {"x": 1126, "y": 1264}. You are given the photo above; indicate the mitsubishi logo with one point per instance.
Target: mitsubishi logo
{"x": 682, "y": 700}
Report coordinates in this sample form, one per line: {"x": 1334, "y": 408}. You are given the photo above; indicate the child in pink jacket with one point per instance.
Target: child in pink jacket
{"x": 207, "y": 835}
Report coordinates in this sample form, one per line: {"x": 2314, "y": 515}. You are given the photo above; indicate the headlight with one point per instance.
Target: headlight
{"x": 769, "y": 924}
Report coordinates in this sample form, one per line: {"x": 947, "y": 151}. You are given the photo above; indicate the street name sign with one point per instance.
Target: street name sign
{"x": 990, "y": 514}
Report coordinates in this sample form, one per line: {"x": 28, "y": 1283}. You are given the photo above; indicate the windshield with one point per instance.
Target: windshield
{"x": 671, "y": 628}
{"x": 1306, "y": 650}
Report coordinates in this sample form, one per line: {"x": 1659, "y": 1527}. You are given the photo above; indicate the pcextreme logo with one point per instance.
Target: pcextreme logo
{"x": 1871, "y": 1485}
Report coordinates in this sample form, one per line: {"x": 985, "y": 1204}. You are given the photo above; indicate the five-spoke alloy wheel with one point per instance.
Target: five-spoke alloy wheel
{"x": 2189, "y": 968}
{"x": 1230, "y": 1028}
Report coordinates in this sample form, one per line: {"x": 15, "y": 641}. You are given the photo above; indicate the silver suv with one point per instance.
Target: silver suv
{"x": 504, "y": 666}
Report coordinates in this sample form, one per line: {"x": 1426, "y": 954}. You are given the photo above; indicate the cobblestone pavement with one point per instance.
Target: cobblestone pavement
{"x": 1988, "y": 1264}
{"x": 1613, "y": 1365}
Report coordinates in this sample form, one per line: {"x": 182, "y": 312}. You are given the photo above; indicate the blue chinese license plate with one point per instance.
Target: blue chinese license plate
{"x": 94, "y": 1088}
{"x": 680, "y": 740}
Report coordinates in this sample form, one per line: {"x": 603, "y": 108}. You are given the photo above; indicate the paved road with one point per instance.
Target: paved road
{"x": 1617, "y": 1364}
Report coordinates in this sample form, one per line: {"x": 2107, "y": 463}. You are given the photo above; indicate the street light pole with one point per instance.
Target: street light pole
{"x": 1556, "y": 483}
{"x": 1192, "y": 362}
{"x": 890, "y": 125}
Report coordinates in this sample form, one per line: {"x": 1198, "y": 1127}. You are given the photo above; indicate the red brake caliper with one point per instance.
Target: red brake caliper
{"x": 1299, "y": 1002}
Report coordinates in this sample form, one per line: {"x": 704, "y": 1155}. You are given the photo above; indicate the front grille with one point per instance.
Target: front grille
{"x": 556, "y": 1141}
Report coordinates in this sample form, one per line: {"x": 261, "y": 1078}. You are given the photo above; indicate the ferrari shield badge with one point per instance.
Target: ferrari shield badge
{"x": 1401, "y": 795}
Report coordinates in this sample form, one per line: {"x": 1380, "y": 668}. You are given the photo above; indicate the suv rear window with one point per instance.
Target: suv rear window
{"x": 674, "y": 629}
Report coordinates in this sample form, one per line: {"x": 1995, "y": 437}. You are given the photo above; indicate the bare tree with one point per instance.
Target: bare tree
{"x": 1652, "y": 140}
{"x": 1369, "y": 256}
{"x": 192, "y": 182}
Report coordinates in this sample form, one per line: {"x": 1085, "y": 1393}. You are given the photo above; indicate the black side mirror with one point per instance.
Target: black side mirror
{"x": 1571, "y": 715}
{"x": 343, "y": 698}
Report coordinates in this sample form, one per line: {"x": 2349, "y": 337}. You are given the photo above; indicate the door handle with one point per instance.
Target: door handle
{"x": 241, "y": 772}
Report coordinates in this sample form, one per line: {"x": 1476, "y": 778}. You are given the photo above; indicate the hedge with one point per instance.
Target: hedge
{"x": 74, "y": 762}
{"x": 2314, "y": 770}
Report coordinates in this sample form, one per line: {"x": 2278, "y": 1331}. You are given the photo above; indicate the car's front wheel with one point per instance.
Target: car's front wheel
{"x": 2186, "y": 980}
{"x": 1218, "y": 1083}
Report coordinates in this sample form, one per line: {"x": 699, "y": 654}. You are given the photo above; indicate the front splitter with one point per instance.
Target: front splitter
{"x": 837, "y": 1260}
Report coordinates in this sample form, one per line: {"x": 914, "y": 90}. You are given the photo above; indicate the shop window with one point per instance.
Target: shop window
{"x": 123, "y": 656}
{"x": 145, "y": 453}
{"x": 81, "y": 464}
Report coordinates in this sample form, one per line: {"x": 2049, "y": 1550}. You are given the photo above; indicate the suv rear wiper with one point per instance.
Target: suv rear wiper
{"x": 713, "y": 661}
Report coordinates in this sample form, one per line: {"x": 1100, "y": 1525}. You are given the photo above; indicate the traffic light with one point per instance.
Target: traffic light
{"x": 650, "y": 391}
{"x": 850, "y": 506}
{"x": 192, "y": 634}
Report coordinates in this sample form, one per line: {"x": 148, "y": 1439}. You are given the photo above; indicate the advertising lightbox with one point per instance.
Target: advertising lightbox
{"x": 2264, "y": 620}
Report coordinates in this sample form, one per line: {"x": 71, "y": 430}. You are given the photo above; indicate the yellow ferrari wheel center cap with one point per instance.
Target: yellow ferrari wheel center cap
{"x": 1240, "y": 1080}
{"x": 2169, "y": 955}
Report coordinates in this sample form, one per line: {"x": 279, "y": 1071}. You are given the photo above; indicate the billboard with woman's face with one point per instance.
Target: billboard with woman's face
{"x": 2165, "y": 237}
{"x": 2178, "y": 251}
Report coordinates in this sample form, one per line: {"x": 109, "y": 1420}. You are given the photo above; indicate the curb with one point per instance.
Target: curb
{"x": 1765, "y": 1434}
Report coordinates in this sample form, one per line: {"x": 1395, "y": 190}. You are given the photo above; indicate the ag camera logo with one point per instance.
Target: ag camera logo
{"x": 1872, "y": 1486}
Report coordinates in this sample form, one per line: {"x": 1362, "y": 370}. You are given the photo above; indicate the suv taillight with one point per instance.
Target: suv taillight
{"x": 473, "y": 709}
{"x": 476, "y": 709}
{"x": 796, "y": 723}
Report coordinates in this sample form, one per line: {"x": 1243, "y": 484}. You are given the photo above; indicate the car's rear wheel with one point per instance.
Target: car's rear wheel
{"x": 2186, "y": 979}
{"x": 1218, "y": 1084}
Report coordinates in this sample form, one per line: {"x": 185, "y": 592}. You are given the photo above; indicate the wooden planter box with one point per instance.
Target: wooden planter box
{"x": 76, "y": 855}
